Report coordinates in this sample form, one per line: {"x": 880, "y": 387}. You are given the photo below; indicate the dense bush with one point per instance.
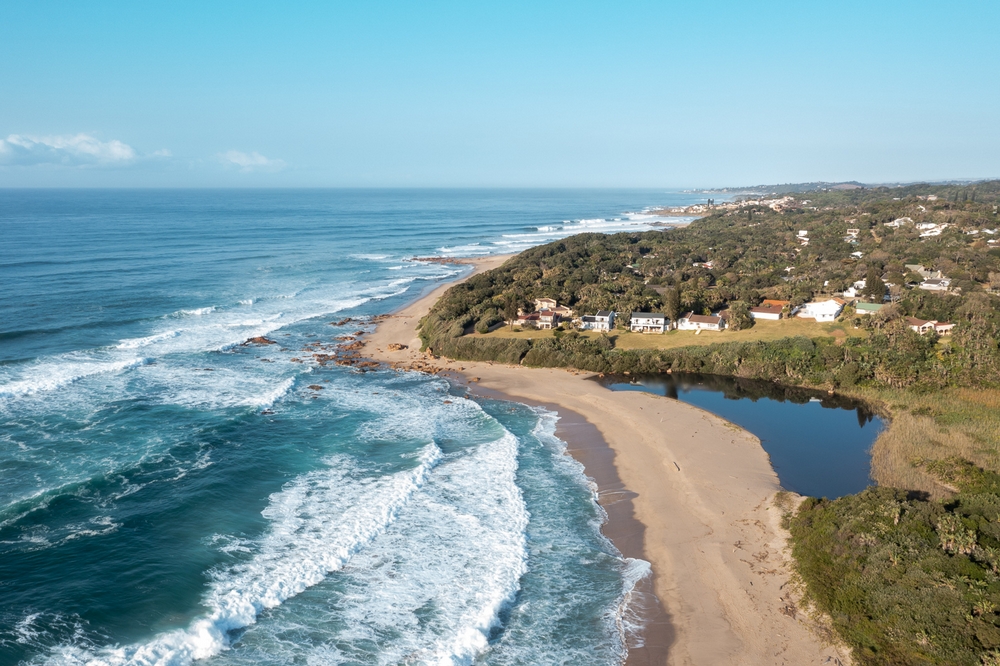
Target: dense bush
{"x": 907, "y": 580}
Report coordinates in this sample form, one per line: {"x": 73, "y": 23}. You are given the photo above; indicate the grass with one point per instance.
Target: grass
{"x": 929, "y": 426}
{"x": 761, "y": 331}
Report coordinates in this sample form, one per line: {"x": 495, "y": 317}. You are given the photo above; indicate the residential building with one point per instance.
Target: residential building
{"x": 543, "y": 319}
{"x": 921, "y": 326}
{"x": 936, "y": 284}
{"x": 924, "y": 272}
{"x": 604, "y": 320}
{"x": 545, "y": 303}
{"x": 648, "y": 322}
{"x": 693, "y": 322}
{"x": 771, "y": 312}
{"x": 855, "y": 289}
{"x": 821, "y": 311}
{"x": 867, "y": 308}
{"x": 771, "y": 302}
{"x": 943, "y": 327}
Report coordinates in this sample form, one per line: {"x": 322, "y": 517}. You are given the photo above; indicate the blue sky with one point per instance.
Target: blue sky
{"x": 581, "y": 94}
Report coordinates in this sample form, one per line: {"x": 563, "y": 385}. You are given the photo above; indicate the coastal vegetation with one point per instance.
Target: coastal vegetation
{"x": 909, "y": 571}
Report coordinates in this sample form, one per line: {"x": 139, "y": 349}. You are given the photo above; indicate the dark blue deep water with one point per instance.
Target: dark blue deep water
{"x": 168, "y": 494}
{"x": 818, "y": 444}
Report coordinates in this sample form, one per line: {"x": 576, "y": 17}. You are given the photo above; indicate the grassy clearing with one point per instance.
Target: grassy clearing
{"x": 761, "y": 331}
{"x": 933, "y": 425}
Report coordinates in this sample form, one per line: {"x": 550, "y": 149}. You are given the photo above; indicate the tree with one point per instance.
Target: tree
{"x": 739, "y": 316}
{"x": 874, "y": 286}
{"x": 672, "y": 304}
{"x": 510, "y": 309}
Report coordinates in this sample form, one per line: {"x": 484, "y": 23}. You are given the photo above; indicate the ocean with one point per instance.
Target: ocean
{"x": 169, "y": 494}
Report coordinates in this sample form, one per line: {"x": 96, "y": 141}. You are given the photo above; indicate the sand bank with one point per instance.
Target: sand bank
{"x": 704, "y": 493}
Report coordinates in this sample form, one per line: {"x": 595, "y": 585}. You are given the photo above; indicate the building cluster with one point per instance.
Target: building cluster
{"x": 548, "y": 314}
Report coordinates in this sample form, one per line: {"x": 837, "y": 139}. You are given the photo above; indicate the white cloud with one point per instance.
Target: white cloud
{"x": 66, "y": 149}
{"x": 250, "y": 161}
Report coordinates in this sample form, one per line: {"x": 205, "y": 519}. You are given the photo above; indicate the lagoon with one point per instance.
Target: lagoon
{"x": 819, "y": 444}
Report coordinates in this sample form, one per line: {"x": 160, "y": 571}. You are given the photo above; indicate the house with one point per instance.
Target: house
{"x": 921, "y": 326}
{"x": 693, "y": 322}
{"x": 648, "y": 322}
{"x": 545, "y": 303}
{"x": 771, "y": 303}
{"x": 827, "y": 310}
{"x": 926, "y": 326}
{"x": 853, "y": 233}
{"x": 542, "y": 319}
{"x": 943, "y": 327}
{"x": 867, "y": 308}
{"x": 935, "y": 284}
{"x": 772, "y": 312}
{"x": 923, "y": 272}
{"x": 551, "y": 305}
{"x": 604, "y": 320}
{"x": 855, "y": 289}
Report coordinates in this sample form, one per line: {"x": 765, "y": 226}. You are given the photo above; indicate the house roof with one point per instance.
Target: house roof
{"x": 648, "y": 315}
{"x": 702, "y": 319}
{"x": 770, "y": 302}
{"x": 767, "y": 309}
{"x": 604, "y": 313}
{"x": 913, "y": 321}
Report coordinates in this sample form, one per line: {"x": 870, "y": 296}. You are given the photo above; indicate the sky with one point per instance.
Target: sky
{"x": 500, "y": 94}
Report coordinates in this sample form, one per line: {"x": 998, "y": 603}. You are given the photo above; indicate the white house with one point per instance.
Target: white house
{"x": 936, "y": 284}
{"x": 693, "y": 322}
{"x": 604, "y": 320}
{"x": 855, "y": 289}
{"x": 648, "y": 322}
{"x": 772, "y": 312}
{"x": 821, "y": 310}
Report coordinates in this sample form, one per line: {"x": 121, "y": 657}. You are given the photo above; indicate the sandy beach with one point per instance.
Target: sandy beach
{"x": 701, "y": 489}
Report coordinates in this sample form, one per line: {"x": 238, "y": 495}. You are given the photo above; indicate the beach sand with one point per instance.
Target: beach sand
{"x": 701, "y": 489}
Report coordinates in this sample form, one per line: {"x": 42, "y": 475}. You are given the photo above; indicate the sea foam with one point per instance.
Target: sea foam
{"x": 318, "y": 522}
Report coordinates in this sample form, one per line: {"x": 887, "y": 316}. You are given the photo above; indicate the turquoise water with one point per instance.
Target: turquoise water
{"x": 169, "y": 494}
{"x": 819, "y": 445}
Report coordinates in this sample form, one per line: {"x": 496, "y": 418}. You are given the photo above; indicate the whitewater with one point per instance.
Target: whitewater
{"x": 172, "y": 494}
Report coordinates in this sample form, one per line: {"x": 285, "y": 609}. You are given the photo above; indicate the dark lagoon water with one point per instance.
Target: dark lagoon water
{"x": 819, "y": 444}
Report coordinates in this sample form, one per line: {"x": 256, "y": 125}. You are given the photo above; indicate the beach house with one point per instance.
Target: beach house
{"x": 772, "y": 312}
{"x": 542, "y": 319}
{"x": 827, "y": 310}
{"x": 648, "y": 322}
{"x": 693, "y": 322}
{"x": 604, "y": 320}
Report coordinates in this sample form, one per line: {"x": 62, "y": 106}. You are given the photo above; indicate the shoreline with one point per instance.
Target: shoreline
{"x": 700, "y": 491}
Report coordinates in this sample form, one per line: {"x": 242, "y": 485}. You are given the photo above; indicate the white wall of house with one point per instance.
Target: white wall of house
{"x": 820, "y": 310}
